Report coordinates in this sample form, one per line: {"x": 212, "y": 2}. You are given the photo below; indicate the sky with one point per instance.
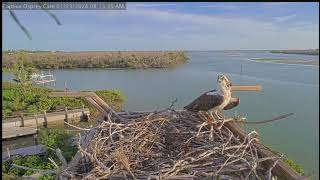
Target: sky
{"x": 169, "y": 26}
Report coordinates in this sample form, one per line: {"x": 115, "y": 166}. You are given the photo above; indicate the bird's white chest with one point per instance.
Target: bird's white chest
{"x": 226, "y": 100}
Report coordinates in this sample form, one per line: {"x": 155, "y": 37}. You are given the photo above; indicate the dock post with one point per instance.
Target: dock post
{"x": 22, "y": 120}
{"x": 82, "y": 109}
{"x": 45, "y": 118}
{"x": 66, "y": 119}
{"x": 8, "y": 152}
{"x": 84, "y": 116}
{"x": 37, "y": 123}
{"x": 35, "y": 138}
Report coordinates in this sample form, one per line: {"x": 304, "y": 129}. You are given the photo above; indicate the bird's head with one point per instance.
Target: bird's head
{"x": 223, "y": 83}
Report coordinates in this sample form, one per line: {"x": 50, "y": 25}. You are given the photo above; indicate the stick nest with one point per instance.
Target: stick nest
{"x": 169, "y": 145}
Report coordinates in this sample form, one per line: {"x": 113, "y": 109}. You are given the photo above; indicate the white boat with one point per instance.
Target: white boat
{"x": 42, "y": 78}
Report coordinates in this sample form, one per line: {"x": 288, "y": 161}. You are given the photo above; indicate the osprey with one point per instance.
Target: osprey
{"x": 215, "y": 100}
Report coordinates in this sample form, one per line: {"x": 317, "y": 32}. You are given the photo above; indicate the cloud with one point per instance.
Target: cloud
{"x": 284, "y": 18}
{"x": 223, "y": 32}
{"x": 236, "y": 24}
{"x": 142, "y": 28}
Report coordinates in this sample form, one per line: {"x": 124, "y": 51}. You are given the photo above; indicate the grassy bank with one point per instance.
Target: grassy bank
{"x": 287, "y": 61}
{"x": 305, "y": 52}
{"x": 107, "y": 59}
{"x": 34, "y": 99}
{"x": 297, "y": 168}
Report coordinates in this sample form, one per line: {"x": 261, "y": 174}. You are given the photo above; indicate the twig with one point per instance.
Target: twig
{"x": 266, "y": 121}
{"x": 13, "y": 15}
{"x": 272, "y": 166}
{"x": 83, "y": 129}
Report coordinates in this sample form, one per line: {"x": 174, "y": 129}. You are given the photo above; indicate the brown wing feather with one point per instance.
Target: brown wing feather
{"x": 205, "y": 102}
{"x": 233, "y": 103}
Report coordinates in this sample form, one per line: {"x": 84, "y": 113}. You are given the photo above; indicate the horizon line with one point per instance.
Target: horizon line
{"x": 159, "y": 50}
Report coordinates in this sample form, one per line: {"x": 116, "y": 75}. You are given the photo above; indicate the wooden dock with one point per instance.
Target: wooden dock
{"x": 28, "y": 125}
{"x": 50, "y": 117}
{"x": 13, "y": 132}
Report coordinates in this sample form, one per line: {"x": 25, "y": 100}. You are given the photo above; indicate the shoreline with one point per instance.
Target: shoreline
{"x": 274, "y": 62}
{"x": 311, "y": 52}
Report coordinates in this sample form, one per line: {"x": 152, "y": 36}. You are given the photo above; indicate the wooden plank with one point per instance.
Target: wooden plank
{"x": 281, "y": 169}
{"x": 18, "y": 132}
{"x": 101, "y": 103}
{"x": 70, "y": 94}
{"x": 246, "y": 88}
{"x": 26, "y": 151}
{"x": 97, "y": 106}
{"x": 51, "y": 117}
{"x": 105, "y": 106}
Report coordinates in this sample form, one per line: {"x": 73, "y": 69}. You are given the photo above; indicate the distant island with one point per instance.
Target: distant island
{"x": 306, "y": 51}
{"x": 95, "y": 59}
{"x": 287, "y": 61}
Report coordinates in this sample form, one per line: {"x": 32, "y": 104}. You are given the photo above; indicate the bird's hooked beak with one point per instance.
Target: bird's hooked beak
{"x": 220, "y": 78}
{"x": 223, "y": 78}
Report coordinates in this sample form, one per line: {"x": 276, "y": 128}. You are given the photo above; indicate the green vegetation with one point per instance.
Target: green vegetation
{"x": 305, "y": 52}
{"x": 37, "y": 162}
{"x": 287, "y": 61}
{"x": 297, "y": 168}
{"x": 110, "y": 59}
{"x": 58, "y": 138}
{"x": 23, "y": 97}
{"x": 20, "y": 69}
{"x": 34, "y": 99}
{"x": 52, "y": 139}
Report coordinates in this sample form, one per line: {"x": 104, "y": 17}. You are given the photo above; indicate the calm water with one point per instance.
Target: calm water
{"x": 286, "y": 88}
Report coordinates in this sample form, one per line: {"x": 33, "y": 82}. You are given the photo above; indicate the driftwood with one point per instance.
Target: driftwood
{"x": 278, "y": 118}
